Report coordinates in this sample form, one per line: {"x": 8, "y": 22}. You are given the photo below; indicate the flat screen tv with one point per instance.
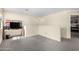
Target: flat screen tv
{"x": 15, "y": 25}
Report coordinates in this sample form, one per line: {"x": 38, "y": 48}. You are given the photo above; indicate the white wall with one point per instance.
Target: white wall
{"x": 60, "y": 19}
{"x": 49, "y": 28}
{"x": 52, "y": 32}
{"x": 29, "y": 21}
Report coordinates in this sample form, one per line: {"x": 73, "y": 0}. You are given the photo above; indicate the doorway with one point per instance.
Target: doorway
{"x": 74, "y": 26}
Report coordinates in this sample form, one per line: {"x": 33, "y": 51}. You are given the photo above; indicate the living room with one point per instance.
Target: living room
{"x": 52, "y": 25}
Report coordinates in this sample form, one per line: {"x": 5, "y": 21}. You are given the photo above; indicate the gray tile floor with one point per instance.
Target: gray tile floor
{"x": 40, "y": 43}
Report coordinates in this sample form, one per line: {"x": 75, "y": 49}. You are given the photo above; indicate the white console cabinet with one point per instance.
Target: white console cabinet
{"x": 13, "y": 32}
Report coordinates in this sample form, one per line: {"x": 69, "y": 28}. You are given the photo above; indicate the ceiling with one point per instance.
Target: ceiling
{"x": 37, "y": 11}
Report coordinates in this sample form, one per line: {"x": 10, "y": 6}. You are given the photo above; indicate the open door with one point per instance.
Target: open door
{"x": 74, "y": 26}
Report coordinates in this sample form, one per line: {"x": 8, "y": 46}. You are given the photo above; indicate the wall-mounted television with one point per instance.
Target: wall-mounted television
{"x": 15, "y": 25}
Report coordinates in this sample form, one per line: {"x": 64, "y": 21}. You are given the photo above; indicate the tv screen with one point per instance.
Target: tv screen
{"x": 15, "y": 25}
